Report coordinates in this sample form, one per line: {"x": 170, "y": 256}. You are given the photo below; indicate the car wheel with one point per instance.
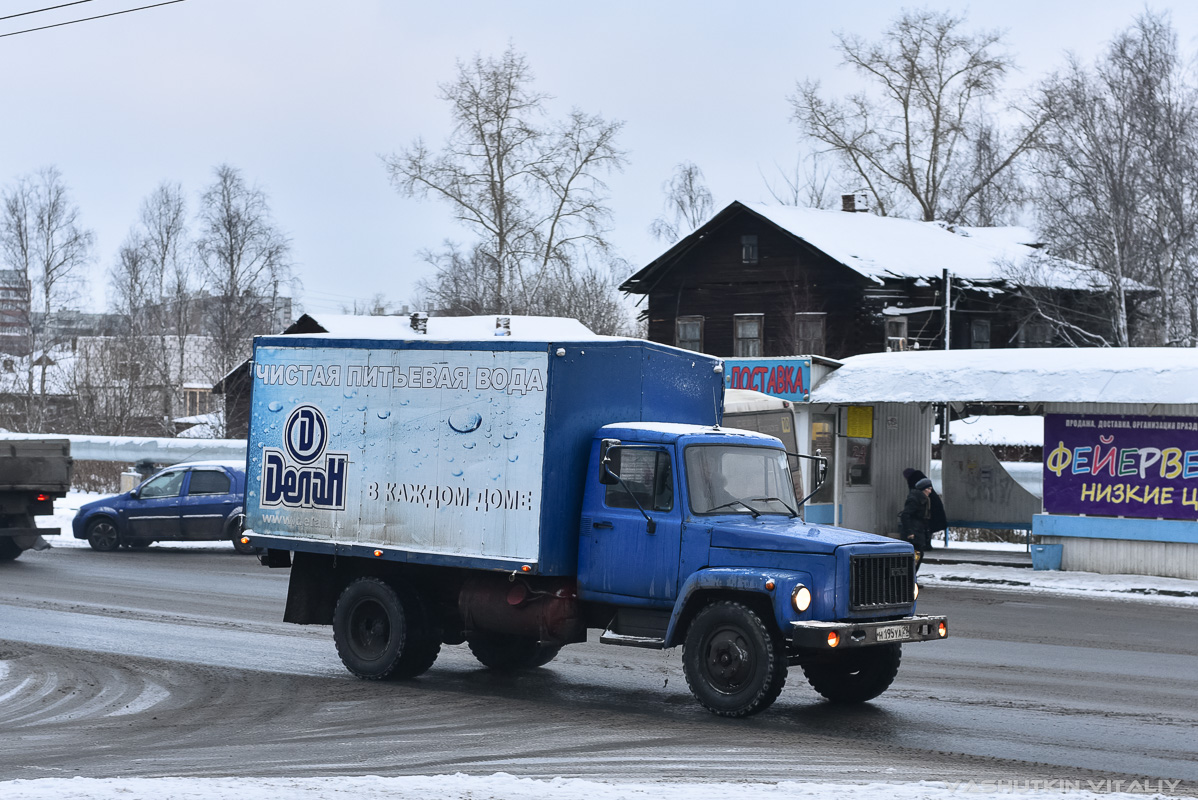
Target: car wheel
{"x": 102, "y": 535}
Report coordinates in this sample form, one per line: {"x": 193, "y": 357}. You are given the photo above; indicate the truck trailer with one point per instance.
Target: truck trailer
{"x": 513, "y": 494}
{"x": 34, "y": 472}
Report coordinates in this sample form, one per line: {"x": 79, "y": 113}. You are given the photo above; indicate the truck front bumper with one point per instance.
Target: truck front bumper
{"x": 831, "y": 636}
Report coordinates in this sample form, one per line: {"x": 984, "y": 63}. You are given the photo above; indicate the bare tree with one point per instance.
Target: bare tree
{"x": 811, "y": 182}
{"x": 688, "y": 204}
{"x": 1118, "y": 178}
{"x": 41, "y": 238}
{"x": 530, "y": 190}
{"x": 911, "y": 134}
{"x": 242, "y": 257}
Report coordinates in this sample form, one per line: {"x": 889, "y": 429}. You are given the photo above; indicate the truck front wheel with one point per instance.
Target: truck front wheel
{"x": 855, "y": 676}
{"x": 381, "y": 634}
{"x": 508, "y": 653}
{"x": 735, "y": 666}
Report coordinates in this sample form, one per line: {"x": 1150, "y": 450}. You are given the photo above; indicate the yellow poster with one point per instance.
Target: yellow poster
{"x": 861, "y": 422}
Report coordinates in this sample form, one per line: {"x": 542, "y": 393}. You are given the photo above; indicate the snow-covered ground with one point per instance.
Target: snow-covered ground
{"x": 507, "y": 787}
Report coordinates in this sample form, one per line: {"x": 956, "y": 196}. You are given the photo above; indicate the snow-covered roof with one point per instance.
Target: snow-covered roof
{"x": 1139, "y": 375}
{"x": 888, "y": 247}
{"x": 1000, "y": 429}
{"x": 534, "y": 329}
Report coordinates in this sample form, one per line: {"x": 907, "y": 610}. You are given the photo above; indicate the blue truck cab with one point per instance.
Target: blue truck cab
{"x": 512, "y": 495}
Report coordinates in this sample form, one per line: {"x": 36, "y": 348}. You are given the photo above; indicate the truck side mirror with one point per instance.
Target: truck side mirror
{"x": 606, "y": 476}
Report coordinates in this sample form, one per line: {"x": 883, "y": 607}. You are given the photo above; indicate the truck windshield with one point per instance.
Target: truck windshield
{"x": 728, "y": 479}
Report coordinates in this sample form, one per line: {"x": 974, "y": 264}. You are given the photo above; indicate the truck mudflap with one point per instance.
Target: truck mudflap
{"x": 829, "y": 636}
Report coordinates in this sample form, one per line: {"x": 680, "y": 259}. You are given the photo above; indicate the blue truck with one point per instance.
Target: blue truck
{"x": 511, "y": 495}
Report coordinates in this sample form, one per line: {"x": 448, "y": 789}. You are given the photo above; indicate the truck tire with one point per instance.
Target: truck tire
{"x": 510, "y": 653}
{"x": 856, "y": 675}
{"x": 381, "y": 634}
{"x": 734, "y": 664}
{"x": 102, "y": 535}
{"x": 8, "y": 549}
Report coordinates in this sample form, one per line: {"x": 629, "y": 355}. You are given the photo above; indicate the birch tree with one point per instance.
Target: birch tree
{"x": 528, "y": 188}
{"x": 688, "y": 204}
{"x": 42, "y": 238}
{"x": 907, "y": 137}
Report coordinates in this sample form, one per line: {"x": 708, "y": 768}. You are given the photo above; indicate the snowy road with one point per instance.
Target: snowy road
{"x": 173, "y": 661}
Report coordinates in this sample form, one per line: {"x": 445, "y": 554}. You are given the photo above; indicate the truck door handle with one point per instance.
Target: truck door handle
{"x": 601, "y": 525}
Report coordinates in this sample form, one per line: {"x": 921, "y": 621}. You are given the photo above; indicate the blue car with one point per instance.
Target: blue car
{"x": 196, "y": 501}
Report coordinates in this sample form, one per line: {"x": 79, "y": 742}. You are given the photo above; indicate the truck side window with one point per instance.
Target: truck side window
{"x": 650, "y": 476}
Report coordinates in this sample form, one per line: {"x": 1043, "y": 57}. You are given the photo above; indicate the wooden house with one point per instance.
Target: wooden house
{"x": 768, "y": 280}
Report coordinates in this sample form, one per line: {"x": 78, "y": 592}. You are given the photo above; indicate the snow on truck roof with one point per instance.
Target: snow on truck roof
{"x": 1128, "y": 375}
{"x": 454, "y": 329}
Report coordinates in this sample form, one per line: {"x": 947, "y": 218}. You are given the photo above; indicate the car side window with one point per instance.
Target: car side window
{"x": 208, "y": 481}
{"x": 167, "y": 484}
{"x": 648, "y": 474}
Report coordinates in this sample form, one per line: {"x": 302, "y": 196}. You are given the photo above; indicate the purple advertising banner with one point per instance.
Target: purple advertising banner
{"x": 1121, "y": 466}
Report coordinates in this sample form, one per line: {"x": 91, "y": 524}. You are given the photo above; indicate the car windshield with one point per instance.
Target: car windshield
{"x": 726, "y": 479}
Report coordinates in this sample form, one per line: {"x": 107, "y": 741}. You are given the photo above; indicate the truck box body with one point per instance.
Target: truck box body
{"x": 452, "y": 453}
{"x": 41, "y": 465}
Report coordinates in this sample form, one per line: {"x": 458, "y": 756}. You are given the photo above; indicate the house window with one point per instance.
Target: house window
{"x": 747, "y": 330}
{"x": 809, "y": 333}
{"x": 896, "y": 334}
{"x": 979, "y": 334}
{"x": 748, "y": 249}
{"x": 1035, "y": 334}
{"x": 196, "y": 401}
{"x": 688, "y": 333}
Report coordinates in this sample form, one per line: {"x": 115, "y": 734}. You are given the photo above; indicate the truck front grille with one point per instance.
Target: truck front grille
{"x": 881, "y": 581}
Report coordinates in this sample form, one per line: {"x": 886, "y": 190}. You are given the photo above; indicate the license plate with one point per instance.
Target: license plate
{"x": 892, "y": 633}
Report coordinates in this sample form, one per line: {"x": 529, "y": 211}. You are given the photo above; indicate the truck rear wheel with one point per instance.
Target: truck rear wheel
{"x": 856, "y": 676}
{"x": 509, "y": 653}
{"x": 381, "y": 634}
{"x": 102, "y": 535}
{"x": 734, "y": 665}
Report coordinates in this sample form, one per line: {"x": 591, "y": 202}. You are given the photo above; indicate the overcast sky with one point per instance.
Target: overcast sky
{"x": 305, "y": 96}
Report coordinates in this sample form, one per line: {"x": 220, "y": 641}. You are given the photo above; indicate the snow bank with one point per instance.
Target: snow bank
{"x": 452, "y": 329}
{"x": 507, "y": 787}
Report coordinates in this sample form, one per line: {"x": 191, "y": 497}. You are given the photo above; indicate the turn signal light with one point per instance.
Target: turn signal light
{"x": 833, "y": 639}
{"x": 245, "y": 540}
{"x": 769, "y": 585}
{"x": 942, "y": 630}
{"x": 378, "y": 553}
{"x": 526, "y": 568}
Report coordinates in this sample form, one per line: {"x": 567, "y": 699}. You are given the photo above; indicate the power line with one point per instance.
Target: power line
{"x": 40, "y": 10}
{"x": 89, "y": 19}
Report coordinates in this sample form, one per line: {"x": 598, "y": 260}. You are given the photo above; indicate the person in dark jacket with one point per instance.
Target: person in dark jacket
{"x": 939, "y": 519}
{"x": 916, "y": 516}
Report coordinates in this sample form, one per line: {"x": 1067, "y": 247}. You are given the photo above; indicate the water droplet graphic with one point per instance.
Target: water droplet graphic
{"x": 457, "y": 473}
{"x": 361, "y": 408}
{"x": 384, "y": 414}
{"x": 275, "y": 405}
{"x": 414, "y": 450}
{"x": 514, "y": 459}
{"x": 465, "y": 421}
{"x": 468, "y": 445}
{"x": 510, "y": 436}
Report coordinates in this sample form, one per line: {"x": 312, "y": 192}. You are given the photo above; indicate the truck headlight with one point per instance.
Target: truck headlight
{"x": 916, "y": 592}
{"x": 800, "y": 598}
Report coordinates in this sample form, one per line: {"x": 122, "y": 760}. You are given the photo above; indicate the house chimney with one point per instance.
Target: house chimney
{"x": 854, "y": 202}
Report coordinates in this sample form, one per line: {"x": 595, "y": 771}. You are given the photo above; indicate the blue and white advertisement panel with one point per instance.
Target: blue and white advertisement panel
{"x": 432, "y": 451}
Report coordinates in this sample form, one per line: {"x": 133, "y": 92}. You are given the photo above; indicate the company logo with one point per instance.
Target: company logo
{"x": 302, "y": 474}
